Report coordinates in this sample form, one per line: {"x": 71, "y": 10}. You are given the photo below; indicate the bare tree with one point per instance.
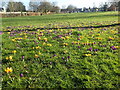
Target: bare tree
{"x": 3, "y": 3}
{"x": 15, "y": 7}
{"x": 71, "y": 8}
{"x": 45, "y": 7}
{"x": 56, "y": 9}
{"x": 114, "y": 4}
{"x": 33, "y": 4}
{"x": 10, "y": 6}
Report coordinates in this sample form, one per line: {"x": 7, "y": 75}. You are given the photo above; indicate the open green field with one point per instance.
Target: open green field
{"x": 64, "y": 19}
{"x": 52, "y": 51}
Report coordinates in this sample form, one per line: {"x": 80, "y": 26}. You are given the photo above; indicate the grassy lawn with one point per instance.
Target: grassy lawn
{"x": 61, "y": 58}
{"x": 74, "y": 18}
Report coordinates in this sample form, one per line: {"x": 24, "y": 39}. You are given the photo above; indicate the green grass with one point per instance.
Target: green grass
{"x": 62, "y": 58}
{"x": 73, "y": 18}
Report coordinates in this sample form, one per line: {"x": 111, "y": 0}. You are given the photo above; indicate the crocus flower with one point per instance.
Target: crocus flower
{"x": 78, "y": 46}
{"x": 14, "y": 51}
{"x": 65, "y": 44}
{"x": 39, "y": 38}
{"x": 87, "y": 54}
{"x": 1, "y": 32}
{"x": 50, "y": 62}
{"x": 63, "y": 58}
{"x": 113, "y": 47}
{"x": 45, "y": 39}
{"x": 23, "y": 57}
{"x": 8, "y": 70}
{"x": 95, "y": 50}
{"x": 90, "y": 49}
{"x": 36, "y": 56}
{"x": 54, "y": 55}
{"x": 49, "y": 44}
{"x": 68, "y": 57}
{"x": 21, "y": 75}
{"x": 10, "y": 57}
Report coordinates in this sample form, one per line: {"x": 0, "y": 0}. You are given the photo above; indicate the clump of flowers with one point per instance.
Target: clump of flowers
{"x": 40, "y": 53}
{"x": 8, "y": 70}
{"x": 38, "y": 47}
{"x": 39, "y": 38}
{"x": 13, "y": 40}
{"x": 114, "y": 47}
{"x": 49, "y": 44}
{"x": 110, "y": 38}
{"x": 65, "y": 44}
{"x": 14, "y": 51}
{"x": 67, "y": 37}
{"x": 10, "y": 58}
{"x": 88, "y": 55}
{"x": 45, "y": 39}
{"x": 63, "y": 38}
{"x": 90, "y": 49}
{"x": 43, "y": 43}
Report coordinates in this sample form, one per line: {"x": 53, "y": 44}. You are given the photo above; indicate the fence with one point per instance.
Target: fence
{"x": 15, "y": 14}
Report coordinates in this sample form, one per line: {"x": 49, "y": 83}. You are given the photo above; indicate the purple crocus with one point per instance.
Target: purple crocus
{"x": 68, "y": 57}
{"x": 88, "y": 44}
{"x": 21, "y": 75}
{"x": 78, "y": 46}
{"x": 63, "y": 58}
{"x": 23, "y": 57}
{"x": 59, "y": 36}
{"x": 1, "y": 32}
{"x": 113, "y": 48}
{"x": 93, "y": 43}
{"x": 95, "y": 50}
{"x": 54, "y": 55}
{"x": 90, "y": 49}
{"x": 50, "y": 62}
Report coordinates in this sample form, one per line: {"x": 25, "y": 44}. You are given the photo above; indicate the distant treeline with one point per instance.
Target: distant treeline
{"x": 45, "y": 7}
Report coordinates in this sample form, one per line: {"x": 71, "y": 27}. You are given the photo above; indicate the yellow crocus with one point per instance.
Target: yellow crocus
{"x": 49, "y": 44}
{"x": 36, "y": 56}
{"x": 65, "y": 44}
{"x": 67, "y": 37}
{"x": 63, "y": 38}
{"x": 44, "y": 43}
{"x": 14, "y": 51}
{"x": 13, "y": 40}
{"x": 45, "y": 39}
{"x": 7, "y": 58}
{"x": 87, "y": 54}
{"x": 38, "y": 47}
{"x": 10, "y": 57}
{"x": 8, "y": 70}
{"x": 39, "y": 53}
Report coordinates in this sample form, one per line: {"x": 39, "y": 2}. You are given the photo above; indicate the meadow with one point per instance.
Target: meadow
{"x": 60, "y": 51}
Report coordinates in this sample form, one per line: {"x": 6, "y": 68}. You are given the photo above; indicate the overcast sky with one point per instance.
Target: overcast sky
{"x": 65, "y": 3}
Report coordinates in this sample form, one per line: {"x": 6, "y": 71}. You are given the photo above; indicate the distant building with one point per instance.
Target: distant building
{"x": 86, "y": 10}
{"x": 94, "y": 9}
{"x": 64, "y": 11}
{"x": 77, "y": 10}
{"x": 113, "y": 8}
{"x": 2, "y": 9}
